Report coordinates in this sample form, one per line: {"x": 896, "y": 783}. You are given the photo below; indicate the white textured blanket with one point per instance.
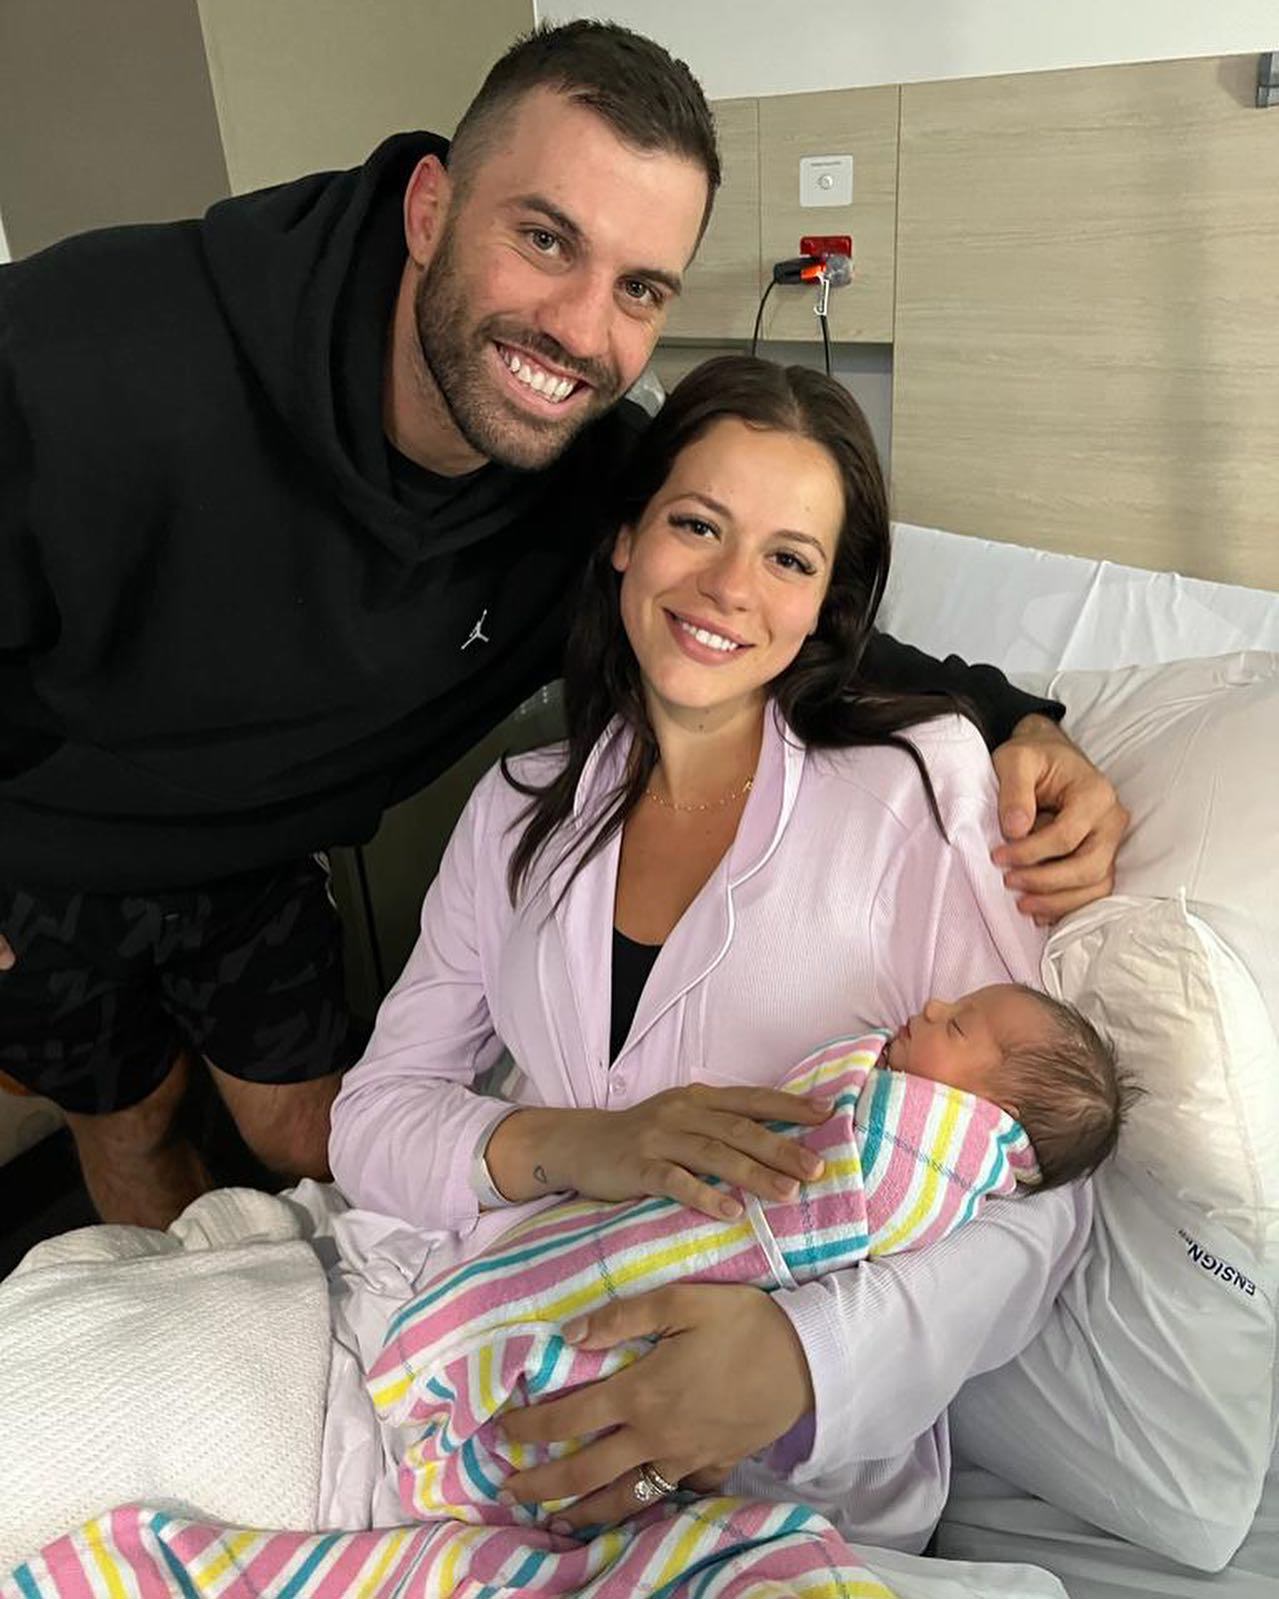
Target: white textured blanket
{"x": 187, "y": 1367}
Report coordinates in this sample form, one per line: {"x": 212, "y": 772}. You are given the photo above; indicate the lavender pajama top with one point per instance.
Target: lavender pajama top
{"x": 839, "y": 907}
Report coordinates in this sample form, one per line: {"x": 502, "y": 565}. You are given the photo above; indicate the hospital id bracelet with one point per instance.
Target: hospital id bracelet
{"x": 484, "y": 1188}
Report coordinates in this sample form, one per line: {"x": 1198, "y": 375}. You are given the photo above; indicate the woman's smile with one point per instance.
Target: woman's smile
{"x": 704, "y": 640}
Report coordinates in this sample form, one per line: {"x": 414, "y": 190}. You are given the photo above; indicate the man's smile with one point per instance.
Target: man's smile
{"x": 552, "y": 385}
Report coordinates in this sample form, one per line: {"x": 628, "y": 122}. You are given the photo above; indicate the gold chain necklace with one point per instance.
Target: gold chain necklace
{"x": 710, "y": 805}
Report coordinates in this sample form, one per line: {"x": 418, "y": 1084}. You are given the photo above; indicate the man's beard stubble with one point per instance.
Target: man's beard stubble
{"x": 455, "y": 353}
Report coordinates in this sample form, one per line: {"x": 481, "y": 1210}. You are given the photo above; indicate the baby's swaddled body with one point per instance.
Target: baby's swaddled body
{"x": 907, "y": 1160}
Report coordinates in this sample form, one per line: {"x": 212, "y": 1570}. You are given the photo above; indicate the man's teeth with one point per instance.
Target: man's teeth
{"x": 540, "y": 382}
{"x": 711, "y": 640}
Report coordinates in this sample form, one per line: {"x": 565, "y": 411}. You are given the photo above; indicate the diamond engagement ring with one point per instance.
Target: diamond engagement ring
{"x": 651, "y": 1485}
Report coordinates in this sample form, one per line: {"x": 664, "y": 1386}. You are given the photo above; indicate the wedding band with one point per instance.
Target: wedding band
{"x": 645, "y": 1491}
{"x": 651, "y": 1485}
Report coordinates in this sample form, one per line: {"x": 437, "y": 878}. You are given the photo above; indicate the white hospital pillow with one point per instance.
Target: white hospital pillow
{"x": 1190, "y": 1026}
{"x": 1147, "y": 1405}
{"x": 1193, "y": 748}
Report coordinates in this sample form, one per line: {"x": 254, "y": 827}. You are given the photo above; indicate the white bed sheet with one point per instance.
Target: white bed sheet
{"x": 989, "y": 1520}
{"x": 1033, "y": 613}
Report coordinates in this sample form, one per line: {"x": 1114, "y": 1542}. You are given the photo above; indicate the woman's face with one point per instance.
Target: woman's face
{"x": 726, "y": 571}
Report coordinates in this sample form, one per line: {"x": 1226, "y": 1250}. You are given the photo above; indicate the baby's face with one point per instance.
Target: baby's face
{"x": 962, "y": 1043}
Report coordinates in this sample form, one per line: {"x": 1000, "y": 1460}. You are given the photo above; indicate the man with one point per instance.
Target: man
{"x": 291, "y": 500}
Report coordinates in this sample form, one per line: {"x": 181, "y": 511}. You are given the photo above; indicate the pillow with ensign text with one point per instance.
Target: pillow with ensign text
{"x": 1147, "y": 1406}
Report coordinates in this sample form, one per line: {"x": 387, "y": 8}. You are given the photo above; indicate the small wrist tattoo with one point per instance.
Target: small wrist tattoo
{"x": 540, "y": 1173}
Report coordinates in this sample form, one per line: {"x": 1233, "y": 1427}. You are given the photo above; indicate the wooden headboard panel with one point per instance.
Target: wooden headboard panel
{"x": 1086, "y": 337}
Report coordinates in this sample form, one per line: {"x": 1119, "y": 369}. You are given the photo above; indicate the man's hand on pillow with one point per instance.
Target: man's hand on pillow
{"x": 1062, "y": 819}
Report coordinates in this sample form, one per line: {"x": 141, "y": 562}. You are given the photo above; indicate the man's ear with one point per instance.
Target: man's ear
{"x": 622, "y": 549}
{"x": 426, "y": 203}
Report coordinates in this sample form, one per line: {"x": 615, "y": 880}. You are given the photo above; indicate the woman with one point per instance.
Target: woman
{"x": 736, "y": 856}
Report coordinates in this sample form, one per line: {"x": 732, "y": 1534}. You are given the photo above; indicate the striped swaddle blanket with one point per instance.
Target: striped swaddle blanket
{"x": 907, "y": 1161}
{"x": 718, "y": 1548}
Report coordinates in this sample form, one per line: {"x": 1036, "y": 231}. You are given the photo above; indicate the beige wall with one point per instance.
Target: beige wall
{"x": 106, "y": 116}
{"x": 308, "y": 85}
{"x": 1087, "y": 327}
{"x": 143, "y": 110}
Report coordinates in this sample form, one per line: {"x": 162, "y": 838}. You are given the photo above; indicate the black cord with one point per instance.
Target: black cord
{"x": 759, "y": 315}
{"x": 759, "y": 318}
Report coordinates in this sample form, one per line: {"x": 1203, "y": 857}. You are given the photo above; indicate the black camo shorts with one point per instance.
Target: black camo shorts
{"x": 108, "y": 988}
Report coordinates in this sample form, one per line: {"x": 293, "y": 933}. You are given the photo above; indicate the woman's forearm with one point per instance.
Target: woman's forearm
{"x": 403, "y": 1147}
{"x": 535, "y": 1152}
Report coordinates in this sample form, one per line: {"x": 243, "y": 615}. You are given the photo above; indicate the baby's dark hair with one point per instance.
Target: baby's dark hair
{"x": 1070, "y": 1093}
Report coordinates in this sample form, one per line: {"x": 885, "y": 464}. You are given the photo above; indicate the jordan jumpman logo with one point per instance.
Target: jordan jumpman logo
{"x": 478, "y": 635}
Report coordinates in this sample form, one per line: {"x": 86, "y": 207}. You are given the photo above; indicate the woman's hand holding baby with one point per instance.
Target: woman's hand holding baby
{"x": 726, "y": 1377}
{"x": 666, "y": 1145}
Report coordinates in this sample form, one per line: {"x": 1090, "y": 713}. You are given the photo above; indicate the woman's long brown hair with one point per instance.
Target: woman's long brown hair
{"x": 820, "y": 694}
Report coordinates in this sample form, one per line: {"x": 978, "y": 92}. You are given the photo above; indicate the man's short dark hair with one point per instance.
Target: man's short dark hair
{"x": 649, "y": 99}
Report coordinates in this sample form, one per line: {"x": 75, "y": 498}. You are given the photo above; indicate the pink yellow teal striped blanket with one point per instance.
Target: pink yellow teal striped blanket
{"x": 906, "y": 1162}
{"x": 718, "y": 1548}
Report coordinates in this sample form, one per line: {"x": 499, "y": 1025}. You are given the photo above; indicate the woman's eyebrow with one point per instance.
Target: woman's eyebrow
{"x": 803, "y": 538}
{"x": 710, "y": 504}
{"x": 671, "y": 281}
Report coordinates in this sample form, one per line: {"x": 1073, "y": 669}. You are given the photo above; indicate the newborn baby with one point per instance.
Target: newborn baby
{"x": 959, "y": 1105}
{"x": 1039, "y": 1060}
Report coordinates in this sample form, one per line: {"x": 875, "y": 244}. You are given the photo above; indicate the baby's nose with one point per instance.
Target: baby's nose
{"x": 935, "y": 1010}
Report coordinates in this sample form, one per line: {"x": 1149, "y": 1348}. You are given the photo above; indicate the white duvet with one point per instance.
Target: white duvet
{"x": 190, "y": 1366}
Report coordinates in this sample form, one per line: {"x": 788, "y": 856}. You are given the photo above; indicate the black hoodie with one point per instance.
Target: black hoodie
{"x": 225, "y": 639}
{"x": 233, "y": 627}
